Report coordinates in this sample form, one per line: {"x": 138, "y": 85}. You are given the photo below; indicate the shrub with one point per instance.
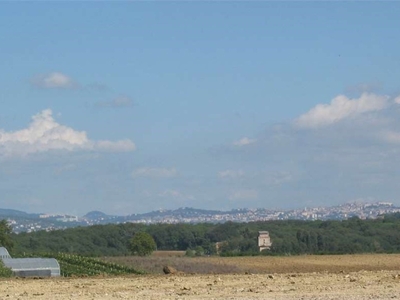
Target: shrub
{"x": 190, "y": 253}
{"x": 4, "y": 271}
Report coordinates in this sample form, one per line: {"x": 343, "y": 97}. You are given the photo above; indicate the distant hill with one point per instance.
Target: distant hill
{"x": 94, "y": 215}
{"x": 14, "y": 213}
{"x": 22, "y": 221}
{"x": 180, "y": 212}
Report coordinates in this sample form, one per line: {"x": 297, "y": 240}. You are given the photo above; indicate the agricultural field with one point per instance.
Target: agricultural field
{"x": 353, "y": 277}
{"x": 260, "y": 264}
{"x": 75, "y": 265}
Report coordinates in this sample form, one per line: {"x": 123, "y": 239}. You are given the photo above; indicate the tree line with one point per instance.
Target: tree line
{"x": 289, "y": 237}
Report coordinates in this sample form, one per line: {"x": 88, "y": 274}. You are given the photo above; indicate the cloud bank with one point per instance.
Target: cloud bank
{"x": 341, "y": 107}
{"x": 45, "y": 134}
{"x": 345, "y": 149}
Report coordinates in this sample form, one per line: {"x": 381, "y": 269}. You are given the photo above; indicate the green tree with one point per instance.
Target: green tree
{"x": 142, "y": 244}
{"x": 5, "y": 235}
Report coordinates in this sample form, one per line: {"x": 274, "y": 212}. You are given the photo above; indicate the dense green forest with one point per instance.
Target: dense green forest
{"x": 288, "y": 237}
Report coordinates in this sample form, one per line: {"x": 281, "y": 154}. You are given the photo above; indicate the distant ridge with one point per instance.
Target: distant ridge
{"x": 183, "y": 212}
{"x": 186, "y": 211}
{"x": 14, "y": 213}
{"x": 22, "y": 221}
{"x": 95, "y": 214}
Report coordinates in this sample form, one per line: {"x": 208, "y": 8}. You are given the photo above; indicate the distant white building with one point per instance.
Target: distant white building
{"x": 264, "y": 240}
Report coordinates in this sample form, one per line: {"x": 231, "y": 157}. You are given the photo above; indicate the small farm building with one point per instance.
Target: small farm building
{"x": 27, "y": 267}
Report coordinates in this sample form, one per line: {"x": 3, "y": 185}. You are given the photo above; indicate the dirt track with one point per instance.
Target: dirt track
{"x": 334, "y": 280}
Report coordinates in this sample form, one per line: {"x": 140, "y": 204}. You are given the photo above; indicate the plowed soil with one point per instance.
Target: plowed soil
{"x": 303, "y": 277}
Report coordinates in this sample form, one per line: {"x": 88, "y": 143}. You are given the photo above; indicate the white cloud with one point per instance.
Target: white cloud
{"x": 397, "y": 100}
{"x": 121, "y": 101}
{"x": 54, "y": 80}
{"x": 230, "y": 174}
{"x": 45, "y": 134}
{"x": 154, "y": 172}
{"x": 341, "y": 107}
{"x": 244, "y": 141}
{"x": 245, "y": 194}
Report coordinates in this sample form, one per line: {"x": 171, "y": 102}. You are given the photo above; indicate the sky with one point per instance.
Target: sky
{"x": 129, "y": 107}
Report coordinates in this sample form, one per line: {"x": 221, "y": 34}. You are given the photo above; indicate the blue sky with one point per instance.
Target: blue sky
{"x": 129, "y": 107}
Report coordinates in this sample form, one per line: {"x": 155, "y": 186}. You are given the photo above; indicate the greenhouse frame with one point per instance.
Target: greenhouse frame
{"x": 4, "y": 253}
{"x": 27, "y": 267}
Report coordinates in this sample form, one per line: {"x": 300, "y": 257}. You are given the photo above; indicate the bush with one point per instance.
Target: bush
{"x": 190, "y": 253}
{"x": 199, "y": 251}
{"x": 4, "y": 271}
{"x": 142, "y": 244}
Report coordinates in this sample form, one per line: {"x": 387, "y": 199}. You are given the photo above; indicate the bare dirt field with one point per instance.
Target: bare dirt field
{"x": 302, "y": 277}
{"x": 261, "y": 264}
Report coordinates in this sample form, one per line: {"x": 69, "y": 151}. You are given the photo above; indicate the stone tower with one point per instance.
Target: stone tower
{"x": 264, "y": 241}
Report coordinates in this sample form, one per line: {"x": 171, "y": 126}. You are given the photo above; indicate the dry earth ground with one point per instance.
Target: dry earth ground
{"x": 261, "y": 264}
{"x": 303, "y": 277}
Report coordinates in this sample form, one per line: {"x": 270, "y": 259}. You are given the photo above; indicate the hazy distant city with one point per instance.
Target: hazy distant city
{"x": 26, "y": 222}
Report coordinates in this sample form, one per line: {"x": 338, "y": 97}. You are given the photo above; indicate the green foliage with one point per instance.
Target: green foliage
{"x": 190, "y": 253}
{"x": 5, "y": 235}
{"x": 98, "y": 240}
{"x": 4, "y": 271}
{"x": 198, "y": 251}
{"x": 76, "y": 265}
{"x": 291, "y": 237}
{"x": 142, "y": 244}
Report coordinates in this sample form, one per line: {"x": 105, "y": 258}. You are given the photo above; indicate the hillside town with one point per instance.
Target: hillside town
{"x": 24, "y": 222}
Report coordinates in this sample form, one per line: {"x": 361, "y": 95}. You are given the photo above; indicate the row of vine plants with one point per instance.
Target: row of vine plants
{"x": 76, "y": 265}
